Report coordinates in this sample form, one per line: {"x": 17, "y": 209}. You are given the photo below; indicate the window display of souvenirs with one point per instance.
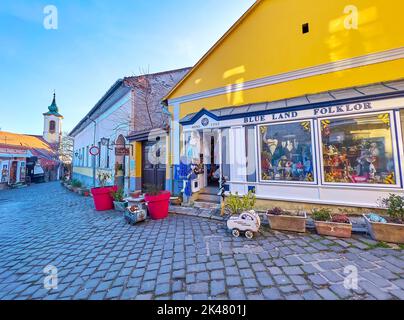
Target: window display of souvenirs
{"x": 358, "y": 150}
{"x": 286, "y": 152}
{"x": 4, "y": 172}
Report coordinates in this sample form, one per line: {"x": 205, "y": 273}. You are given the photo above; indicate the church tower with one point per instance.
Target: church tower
{"x": 52, "y": 132}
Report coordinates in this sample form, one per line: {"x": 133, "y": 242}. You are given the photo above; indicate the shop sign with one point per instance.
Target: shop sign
{"x": 122, "y": 151}
{"x": 319, "y": 112}
{"x": 348, "y": 108}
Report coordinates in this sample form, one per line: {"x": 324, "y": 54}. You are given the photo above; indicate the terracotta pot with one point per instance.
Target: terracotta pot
{"x": 135, "y": 194}
{"x": 386, "y": 232}
{"x": 333, "y": 229}
{"x": 288, "y": 223}
{"x": 176, "y": 202}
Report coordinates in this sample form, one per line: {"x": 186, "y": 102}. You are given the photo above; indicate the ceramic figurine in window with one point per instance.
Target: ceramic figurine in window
{"x": 390, "y": 179}
{"x": 372, "y": 172}
{"x": 288, "y": 170}
{"x": 271, "y": 144}
{"x": 282, "y": 166}
{"x": 307, "y": 165}
{"x": 300, "y": 169}
{"x": 374, "y": 151}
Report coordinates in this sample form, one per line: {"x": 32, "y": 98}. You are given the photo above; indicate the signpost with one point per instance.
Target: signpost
{"x": 122, "y": 151}
{"x": 94, "y": 151}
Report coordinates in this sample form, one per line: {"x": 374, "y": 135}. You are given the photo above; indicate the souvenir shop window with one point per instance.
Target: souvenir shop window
{"x": 359, "y": 150}
{"x": 3, "y": 172}
{"x": 287, "y": 152}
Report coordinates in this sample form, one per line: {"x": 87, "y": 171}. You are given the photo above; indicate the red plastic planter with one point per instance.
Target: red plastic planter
{"x": 103, "y": 200}
{"x": 158, "y": 205}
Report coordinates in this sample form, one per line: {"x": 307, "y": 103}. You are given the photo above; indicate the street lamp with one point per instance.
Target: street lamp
{"x": 106, "y": 143}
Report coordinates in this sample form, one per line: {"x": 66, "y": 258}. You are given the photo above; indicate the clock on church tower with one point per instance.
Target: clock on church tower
{"x": 52, "y": 132}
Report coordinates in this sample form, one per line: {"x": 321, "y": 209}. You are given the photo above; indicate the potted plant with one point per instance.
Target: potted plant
{"x": 287, "y": 221}
{"x": 103, "y": 200}
{"x": 390, "y": 229}
{"x": 76, "y": 185}
{"x": 135, "y": 194}
{"x": 158, "y": 202}
{"x": 332, "y": 225}
{"x": 119, "y": 203}
{"x": 135, "y": 214}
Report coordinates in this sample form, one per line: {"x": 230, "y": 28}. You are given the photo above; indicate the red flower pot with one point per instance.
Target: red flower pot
{"x": 158, "y": 205}
{"x": 103, "y": 200}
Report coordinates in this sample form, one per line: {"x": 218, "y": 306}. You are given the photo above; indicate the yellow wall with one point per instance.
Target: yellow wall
{"x": 137, "y": 152}
{"x": 337, "y": 80}
{"x": 269, "y": 41}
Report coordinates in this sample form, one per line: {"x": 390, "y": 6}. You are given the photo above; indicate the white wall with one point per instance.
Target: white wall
{"x": 52, "y": 137}
{"x": 110, "y": 124}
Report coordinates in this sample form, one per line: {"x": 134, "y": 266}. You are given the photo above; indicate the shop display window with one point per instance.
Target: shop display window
{"x": 286, "y": 152}
{"x": 4, "y": 172}
{"x": 359, "y": 150}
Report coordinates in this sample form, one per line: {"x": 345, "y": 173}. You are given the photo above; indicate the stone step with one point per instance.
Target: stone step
{"x": 208, "y": 198}
{"x": 206, "y": 205}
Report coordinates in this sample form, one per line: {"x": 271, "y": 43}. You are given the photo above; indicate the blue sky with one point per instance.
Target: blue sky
{"x": 97, "y": 42}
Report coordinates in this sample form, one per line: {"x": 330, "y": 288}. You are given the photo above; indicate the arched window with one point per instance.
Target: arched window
{"x": 52, "y": 126}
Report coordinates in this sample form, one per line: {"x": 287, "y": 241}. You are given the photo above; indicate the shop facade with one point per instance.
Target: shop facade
{"x": 300, "y": 114}
{"x": 118, "y": 135}
{"x": 99, "y": 136}
{"x": 12, "y": 166}
{"x": 332, "y": 154}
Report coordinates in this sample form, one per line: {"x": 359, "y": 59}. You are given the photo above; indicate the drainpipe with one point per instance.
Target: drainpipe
{"x": 94, "y": 159}
{"x": 164, "y": 105}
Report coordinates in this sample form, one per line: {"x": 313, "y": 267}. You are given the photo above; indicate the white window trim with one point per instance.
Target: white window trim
{"x": 394, "y": 133}
{"x": 314, "y": 154}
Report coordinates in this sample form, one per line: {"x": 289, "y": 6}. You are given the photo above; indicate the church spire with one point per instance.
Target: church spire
{"x": 53, "y": 108}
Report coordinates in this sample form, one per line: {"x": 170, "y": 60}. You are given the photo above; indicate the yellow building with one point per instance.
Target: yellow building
{"x": 302, "y": 101}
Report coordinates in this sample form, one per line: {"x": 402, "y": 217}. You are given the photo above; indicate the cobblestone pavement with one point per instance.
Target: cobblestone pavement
{"x": 98, "y": 256}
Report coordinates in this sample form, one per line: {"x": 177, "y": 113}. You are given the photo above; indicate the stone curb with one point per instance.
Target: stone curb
{"x": 194, "y": 213}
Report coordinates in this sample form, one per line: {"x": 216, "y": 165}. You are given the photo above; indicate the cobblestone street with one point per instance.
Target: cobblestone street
{"x": 98, "y": 256}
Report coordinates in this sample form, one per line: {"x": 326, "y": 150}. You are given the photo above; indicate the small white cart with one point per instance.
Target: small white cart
{"x": 248, "y": 223}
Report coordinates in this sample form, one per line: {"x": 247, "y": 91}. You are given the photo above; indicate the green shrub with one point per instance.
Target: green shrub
{"x": 322, "y": 215}
{"x": 103, "y": 177}
{"x": 395, "y": 207}
{"x": 152, "y": 190}
{"x": 118, "y": 195}
{"x": 76, "y": 183}
{"x": 236, "y": 205}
